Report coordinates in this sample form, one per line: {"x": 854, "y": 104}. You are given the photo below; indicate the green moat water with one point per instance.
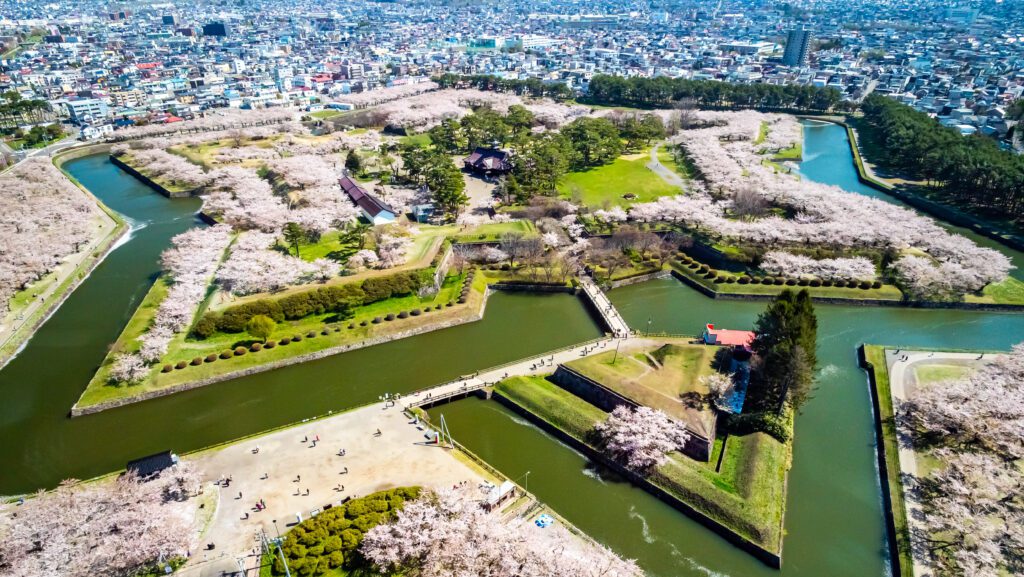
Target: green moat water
{"x": 834, "y": 521}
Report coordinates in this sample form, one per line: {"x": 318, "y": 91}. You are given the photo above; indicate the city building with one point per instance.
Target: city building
{"x": 797, "y": 43}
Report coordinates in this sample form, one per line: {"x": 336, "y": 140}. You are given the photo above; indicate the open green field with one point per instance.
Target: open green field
{"x": 657, "y": 376}
{"x": 325, "y": 114}
{"x": 607, "y": 184}
{"x": 417, "y": 139}
{"x": 747, "y": 494}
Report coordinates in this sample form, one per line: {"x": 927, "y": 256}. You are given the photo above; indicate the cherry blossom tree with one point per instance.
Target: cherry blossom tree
{"x": 254, "y": 266}
{"x": 448, "y": 534}
{"x": 114, "y": 527}
{"x": 44, "y": 219}
{"x": 641, "y": 438}
{"x": 795, "y": 265}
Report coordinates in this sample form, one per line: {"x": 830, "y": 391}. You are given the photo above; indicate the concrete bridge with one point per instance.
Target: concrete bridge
{"x": 540, "y": 364}
{"x": 612, "y": 319}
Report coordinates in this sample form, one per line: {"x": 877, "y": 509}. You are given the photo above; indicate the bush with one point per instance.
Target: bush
{"x": 506, "y": 266}
{"x": 865, "y": 284}
{"x": 256, "y": 347}
{"x": 239, "y": 351}
{"x": 196, "y": 361}
{"x": 286, "y": 341}
{"x": 730, "y": 280}
{"x": 779, "y": 280}
{"x": 803, "y": 282}
{"x": 438, "y": 307}
{"x": 815, "y": 283}
{"x": 210, "y": 358}
{"x": 351, "y": 325}
{"x": 205, "y": 327}
{"x": 363, "y": 323}
{"x": 791, "y": 282}
{"x": 851, "y": 284}
{"x": 403, "y": 315}
{"x": 167, "y": 369}
{"x": 827, "y": 283}
{"x": 181, "y": 365}
{"x": 744, "y": 280}
{"x": 336, "y": 329}
{"x": 717, "y": 279}
{"x": 877, "y": 284}
{"x": 311, "y": 334}
{"x": 704, "y": 268}
{"x": 269, "y": 345}
{"x": 769, "y": 423}
{"x": 225, "y": 354}
{"x": 377, "y": 320}
{"x": 390, "y": 317}
{"x": 415, "y": 312}
{"x": 449, "y": 304}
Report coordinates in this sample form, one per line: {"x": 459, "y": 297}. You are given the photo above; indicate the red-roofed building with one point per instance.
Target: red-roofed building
{"x": 727, "y": 337}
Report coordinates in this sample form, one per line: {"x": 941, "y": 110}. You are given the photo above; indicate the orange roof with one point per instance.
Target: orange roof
{"x": 731, "y": 338}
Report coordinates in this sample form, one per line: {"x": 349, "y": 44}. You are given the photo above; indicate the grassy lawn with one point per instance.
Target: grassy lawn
{"x": 607, "y": 184}
{"x": 762, "y": 133}
{"x": 1007, "y": 292}
{"x": 795, "y": 152}
{"x": 886, "y": 292}
{"x": 493, "y": 231}
{"x": 656, "y": 376}
{"x": 748, "y": 494}
{"x": 329, "y": 246}
{"x": 418, "y": 139}
{"x": 666, "y": 157}
{"x": 929, "y": 374}
{"x": 325, "y": 114}
{"x": 875, "y": 356}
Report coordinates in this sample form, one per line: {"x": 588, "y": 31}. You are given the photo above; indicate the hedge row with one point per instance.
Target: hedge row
{"x": 334, "y": 299}
{"x": 329, "y": 540}
{"x": 715, "y": 276}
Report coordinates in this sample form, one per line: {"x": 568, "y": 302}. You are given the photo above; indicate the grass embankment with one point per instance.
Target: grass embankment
{"x": 747, "y": 495}
{"x": 608, "y": 184}
{"x": 885, "y": 293}
{"x": 100, "y": 390}
{"x": 1007, "y": 292}
{"x": 875, "y": 356}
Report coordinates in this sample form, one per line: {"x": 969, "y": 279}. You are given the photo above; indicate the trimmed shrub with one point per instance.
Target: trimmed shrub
{"x": 462, "y": 300}
{"x": 730, "y": 280}
{"x": 506, "y": 266}
{"x": 744, "y": 280}
{"x": 181, "y": 365}
{"x": 449, "y": 304}
{"x": 803, "y": 282}
{"x": 877, "y": 284}
{"x": 377, "y": 320}
{"x": 717, "y": 279}
{"x": 225, "y": 354}
{"x": 851, "y": 284}
{"x": 815, "y": 283}
{"x": 167, "y": 369}
{"x": 363, "y": 323}
{"x": 865, "y": 284}
{"x": 336, "y": 329}
{"x": 791, "y": 282}
{"x": 779, "y": 281}
{"x": 205, "y": 327}
{"x": 196, "y": 361}
{"x": 311, "y": 334}
{"x": 269, "y": 345}
{"x": 415, "y": 312}
{"x": 403, "y": 315}
{"x": 390, "y": 317}
{"x": 351, "y": 325}
{"x": 286, "y": 341}
{"x": 704, "y": 268}
{"x": 256, "y": 347}
{"x": 210, "y": 358}
{"x": 239, "y": 351}
{"x": 827, "y": 283}
{"x": 296, "y": 338}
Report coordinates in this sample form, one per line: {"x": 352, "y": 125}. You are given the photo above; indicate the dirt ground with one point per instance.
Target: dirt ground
{"x": 293, "y": 474}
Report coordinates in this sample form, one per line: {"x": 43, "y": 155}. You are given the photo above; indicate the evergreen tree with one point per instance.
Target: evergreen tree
{"x": 786, "y": 347}
{"x": 353, "y": 163}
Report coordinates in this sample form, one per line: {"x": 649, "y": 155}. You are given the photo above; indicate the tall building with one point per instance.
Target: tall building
{"x": 797, "y": 44}
{"x": 215, "y": 29}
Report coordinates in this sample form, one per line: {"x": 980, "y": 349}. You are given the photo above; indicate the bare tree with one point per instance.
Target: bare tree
{"x": 513, "y": 245}
{"x": 747, "y": 202}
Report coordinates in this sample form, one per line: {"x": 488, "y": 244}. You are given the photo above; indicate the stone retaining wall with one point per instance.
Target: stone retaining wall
{"x": 640, "y": 278}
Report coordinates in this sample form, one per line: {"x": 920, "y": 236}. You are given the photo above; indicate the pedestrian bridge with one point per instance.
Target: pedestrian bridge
{"x": 612, "y": 319}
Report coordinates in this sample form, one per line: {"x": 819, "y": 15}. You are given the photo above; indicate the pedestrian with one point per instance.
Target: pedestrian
{"x": 298, "y": 478}
{"x": 305, "y": 439}
{"x": 317, "y": 439}
{"x": 262, "y": 502}
{"x": 345, "y": 472}
{"x": 239, "y": 494}
{"x": 307, "y": 491}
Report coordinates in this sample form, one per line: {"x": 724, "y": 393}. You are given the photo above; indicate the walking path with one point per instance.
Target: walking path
{"x": 604, "y": 307}
{"x": 666, "y": 174}
{"x": 902, "y": 366}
